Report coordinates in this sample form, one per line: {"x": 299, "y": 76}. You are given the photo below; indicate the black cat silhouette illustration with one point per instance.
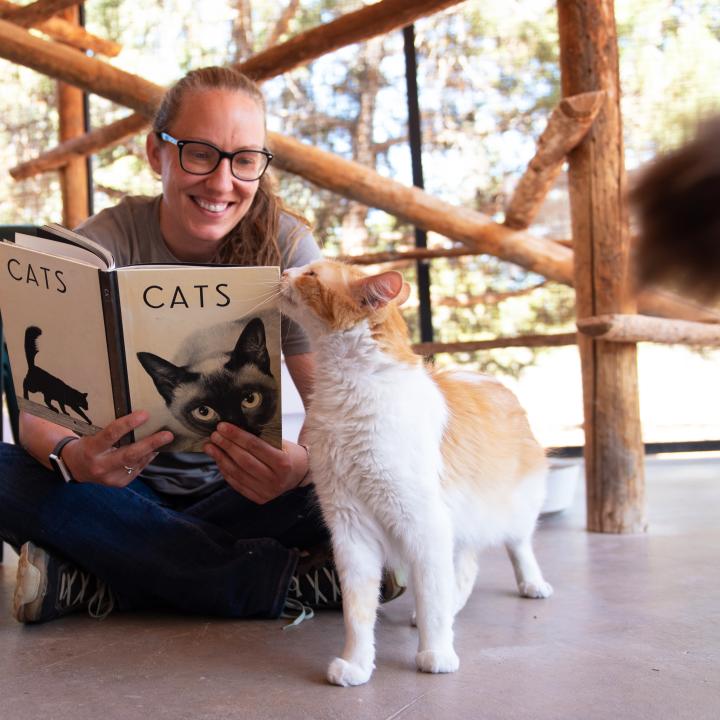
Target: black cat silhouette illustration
{"x": 235, "y": 386}
{"x": 52, "y": 388}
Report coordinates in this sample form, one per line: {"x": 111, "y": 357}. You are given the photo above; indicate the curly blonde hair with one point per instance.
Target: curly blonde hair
{"x": 254, "y": 240}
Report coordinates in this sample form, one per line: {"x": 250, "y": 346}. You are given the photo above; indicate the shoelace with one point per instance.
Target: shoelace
{"x": 99, "y": 605}
{"x": 312, "y": 578}
{"x": 297, "y": 612}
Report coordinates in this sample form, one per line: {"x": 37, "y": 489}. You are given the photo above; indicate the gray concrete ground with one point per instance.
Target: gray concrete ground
{"x": 633, "y": 631}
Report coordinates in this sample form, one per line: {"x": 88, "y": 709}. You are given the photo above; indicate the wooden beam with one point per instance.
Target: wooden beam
{"x": 568, "y": 124}
{"x": 475, "y": 230}
{"x": 74, "y": 175}
{"x": 614, "y": 453}
{"x": 90, "y": 74}
{"x": 370, "y": 21}
{"x": 87, "y": 144}
{"x": 363, "y": 24}
{"x": 555, "y": 340}
{"x": 70, "y": 34}
{"x": 29, "y": 15}
{"x": 405, "y": 255}
{"x": 642, "y": 328}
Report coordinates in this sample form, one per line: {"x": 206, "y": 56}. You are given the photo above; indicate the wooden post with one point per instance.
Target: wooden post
{"x": 614, "y": 453}
{"x": 73, "y": 175}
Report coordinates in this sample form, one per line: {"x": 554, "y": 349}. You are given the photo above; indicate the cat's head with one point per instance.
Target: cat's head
{"x": 237, "y": 387}
{"x": 326, "y": 297}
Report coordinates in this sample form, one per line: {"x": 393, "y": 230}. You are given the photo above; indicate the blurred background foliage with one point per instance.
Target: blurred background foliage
{"x": 489, "y": 77}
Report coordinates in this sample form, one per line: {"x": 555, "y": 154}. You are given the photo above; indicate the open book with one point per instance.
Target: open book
{"x": 89, "y": 342}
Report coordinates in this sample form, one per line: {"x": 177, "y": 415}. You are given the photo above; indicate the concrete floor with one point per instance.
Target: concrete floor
{"x": 633, "y": 631}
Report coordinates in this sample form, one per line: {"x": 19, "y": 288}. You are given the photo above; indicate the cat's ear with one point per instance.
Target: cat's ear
{"x": 378, "y": 290}
{"x": 164, "y": 374}
{"x": 251, "y": 348}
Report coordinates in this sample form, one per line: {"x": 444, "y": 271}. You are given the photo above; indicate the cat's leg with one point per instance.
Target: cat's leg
{"x": 434, "y": 582}
{"x": 466, "y": 570}
{"x": 529, "y": 577}
{"x": 358, "y": 561}
{"x": 83, "y": 415}
{"x": 48, "y": 402}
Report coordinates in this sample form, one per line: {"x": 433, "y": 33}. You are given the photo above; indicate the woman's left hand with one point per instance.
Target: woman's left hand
{"x": 253, "y": 467}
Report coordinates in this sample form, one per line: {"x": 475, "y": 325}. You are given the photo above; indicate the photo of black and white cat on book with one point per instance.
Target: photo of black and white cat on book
{"x": 210, "y": 382}
{"x": 52, "y": 388}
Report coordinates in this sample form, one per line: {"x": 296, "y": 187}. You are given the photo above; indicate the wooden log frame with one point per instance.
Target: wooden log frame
{"x": 71, "y": 113}
{"x": 552, "y": 340}
{"x": 568, "y": 124}
{"x": 67, "y": 33}
{"x": 363, "y": 24}
{"x": 478, "y": 232}
{"x": 641, "y": 328}
{"x": 614, "y": 452}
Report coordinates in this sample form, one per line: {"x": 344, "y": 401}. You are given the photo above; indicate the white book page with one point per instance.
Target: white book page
{"x": 59, "y": 249}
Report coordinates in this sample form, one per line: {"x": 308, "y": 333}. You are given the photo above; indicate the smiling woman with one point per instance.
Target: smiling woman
{"x": 238, "y": 513}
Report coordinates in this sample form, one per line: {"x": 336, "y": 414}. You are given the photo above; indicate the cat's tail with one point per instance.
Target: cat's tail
{"x": 31, "y": 350}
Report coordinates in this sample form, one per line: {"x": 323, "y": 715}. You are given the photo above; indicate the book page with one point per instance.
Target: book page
{"x": 53, "y": 325}
{"x": 202, "y": 344}
{"x": 70, "y": 236}
{"x": 59, "y": 249}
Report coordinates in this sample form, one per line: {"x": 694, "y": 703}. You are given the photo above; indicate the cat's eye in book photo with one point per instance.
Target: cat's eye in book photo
{"x": 89, "y": 341}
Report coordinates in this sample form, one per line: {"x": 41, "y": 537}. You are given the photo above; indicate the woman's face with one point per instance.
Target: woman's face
{"x": 197, "y": 211}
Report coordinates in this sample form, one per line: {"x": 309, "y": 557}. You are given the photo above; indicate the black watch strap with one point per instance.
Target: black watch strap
{"x": 56, "y": 460}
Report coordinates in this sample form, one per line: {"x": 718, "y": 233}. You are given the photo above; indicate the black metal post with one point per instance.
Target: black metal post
{"x": 415, "y": 135}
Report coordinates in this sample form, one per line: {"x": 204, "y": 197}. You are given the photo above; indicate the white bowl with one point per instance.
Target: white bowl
{"x": 562, "y": 480}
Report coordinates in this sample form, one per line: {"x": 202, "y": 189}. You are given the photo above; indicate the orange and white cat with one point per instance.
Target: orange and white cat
{"x": 414, "y": 467}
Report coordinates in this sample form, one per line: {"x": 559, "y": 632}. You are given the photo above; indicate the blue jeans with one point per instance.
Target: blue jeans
{"x": 220, "y": 554}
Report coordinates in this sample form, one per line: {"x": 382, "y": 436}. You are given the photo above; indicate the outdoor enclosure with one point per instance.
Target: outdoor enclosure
{"x": 585, "y": 129}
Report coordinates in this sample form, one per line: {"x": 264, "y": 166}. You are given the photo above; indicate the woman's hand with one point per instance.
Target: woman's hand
{"x": 254, "y": 468}
{"x": 95, "y": 458}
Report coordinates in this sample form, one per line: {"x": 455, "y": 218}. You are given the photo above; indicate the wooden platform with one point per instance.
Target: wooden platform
{"x": 633, "y": 631}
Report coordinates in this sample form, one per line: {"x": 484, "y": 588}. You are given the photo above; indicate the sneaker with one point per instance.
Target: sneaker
{"x": 47, "y": 588}
{"x": 316, "y": 583}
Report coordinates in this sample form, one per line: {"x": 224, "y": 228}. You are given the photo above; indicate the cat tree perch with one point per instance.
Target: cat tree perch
{"x": 585, "y": 128}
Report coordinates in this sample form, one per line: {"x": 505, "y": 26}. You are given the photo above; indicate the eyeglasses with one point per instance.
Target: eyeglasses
{"x": 201, "y": 158}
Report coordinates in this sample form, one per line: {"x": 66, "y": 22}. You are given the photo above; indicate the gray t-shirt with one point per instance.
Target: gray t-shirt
{"x": 131, "y": 231}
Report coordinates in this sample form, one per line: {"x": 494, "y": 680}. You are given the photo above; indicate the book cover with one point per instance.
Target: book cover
{"x": 191, "y": 344}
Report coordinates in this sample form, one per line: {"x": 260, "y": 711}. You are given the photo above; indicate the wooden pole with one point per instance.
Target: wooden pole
{"x": 67, "y": 33}
{"x": 614, "y": 453}
{"x": 73, "y": 175}
{"x": 641, "y": 328}
{"x": 568, "y": 124}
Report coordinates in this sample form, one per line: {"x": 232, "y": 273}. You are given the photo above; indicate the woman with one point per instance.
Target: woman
{"x": 216, "y": 533}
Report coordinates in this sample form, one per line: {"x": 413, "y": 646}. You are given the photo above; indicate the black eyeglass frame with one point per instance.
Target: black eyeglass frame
{"x": 166, "y": 137}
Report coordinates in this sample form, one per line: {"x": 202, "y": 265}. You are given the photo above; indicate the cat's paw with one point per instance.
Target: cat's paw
{"x": 341, "y": 672}
{"x": 437, "y": 661}
{"x": 540, "y": 589}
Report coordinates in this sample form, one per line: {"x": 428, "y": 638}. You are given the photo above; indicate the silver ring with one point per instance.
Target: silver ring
{"x": 129, "y": 470}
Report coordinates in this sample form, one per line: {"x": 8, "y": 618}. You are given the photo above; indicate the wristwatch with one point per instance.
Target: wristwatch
{"x": 56, "y": 460}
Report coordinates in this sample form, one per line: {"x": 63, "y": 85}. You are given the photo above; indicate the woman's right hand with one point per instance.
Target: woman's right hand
{"x": 96, "y": 459}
